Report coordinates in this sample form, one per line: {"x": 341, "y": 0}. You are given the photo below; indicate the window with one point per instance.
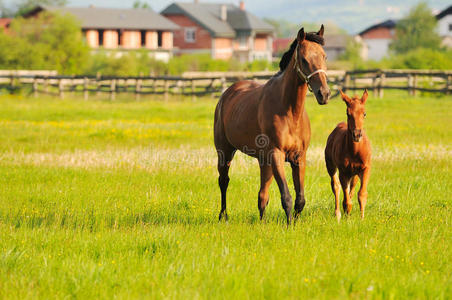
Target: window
{"x": 190, "y": 35}
{"x": 143, "y": 38}
{"x": 101, "y": 37}
{"x": 450, "y": 27}
{"x": 159, "y": 39}
{"x": 243, "y": 42}
{"x": 119, "y": 37}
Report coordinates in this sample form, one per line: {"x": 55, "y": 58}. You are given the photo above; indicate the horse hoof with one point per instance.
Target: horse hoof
{"x": 223, "y": 215}
{"x": 338, "y": 216}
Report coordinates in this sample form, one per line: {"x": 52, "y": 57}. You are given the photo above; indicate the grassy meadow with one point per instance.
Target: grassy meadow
{"x": 120, "y": 200}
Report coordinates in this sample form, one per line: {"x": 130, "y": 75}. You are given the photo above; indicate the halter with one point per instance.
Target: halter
{"x": 303, "y": 75}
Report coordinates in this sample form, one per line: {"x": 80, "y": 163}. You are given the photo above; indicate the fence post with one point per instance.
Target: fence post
{"x": 346, "y": 82}
{"x": 13, "y": 83}
{"x": 98, "y": 79}
{"x": 166, "y": 89}
{"x": 35, "y": 87}
{"x": 154, "y": 85}
{"x": 374, "y": 85}
{"x": 410, "y": 84}
{"x": 381, "y": 85}
{"x": 61, "y": 88}
{"x": 414, "y": 85}
{"x": 138, "y": 88}
{"x": 85, "y": 88}
{"x": 193, "y": 97}
{"x": 223, "y": 84}
{"x": 113, "y": 89}
{"x": 46, "y": 85}
{"x": 73, "y": 86}
{"x": 212, "y": 88}
{"x": 447, "y": 84}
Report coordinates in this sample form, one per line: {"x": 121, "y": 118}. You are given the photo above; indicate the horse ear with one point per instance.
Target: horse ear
{"x": 320, "y": 32}
{"x": 301, "y": 35}
{"x": 364, "y": 97}
{"x": 346, "y": 98}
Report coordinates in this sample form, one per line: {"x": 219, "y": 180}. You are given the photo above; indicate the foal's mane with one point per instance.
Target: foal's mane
{"x": 287, "y": 56}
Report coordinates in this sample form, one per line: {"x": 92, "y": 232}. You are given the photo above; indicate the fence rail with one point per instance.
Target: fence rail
{"x": 199, "y": 84}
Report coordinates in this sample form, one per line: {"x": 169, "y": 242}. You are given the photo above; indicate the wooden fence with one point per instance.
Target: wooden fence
{"x": 200, "y": 84}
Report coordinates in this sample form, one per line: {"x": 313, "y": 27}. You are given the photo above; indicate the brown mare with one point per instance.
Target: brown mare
{"x": 269, "y": 122}
{"x": 348, "y": 149}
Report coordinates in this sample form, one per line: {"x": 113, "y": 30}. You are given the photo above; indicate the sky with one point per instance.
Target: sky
{"x": 351, "y": 15}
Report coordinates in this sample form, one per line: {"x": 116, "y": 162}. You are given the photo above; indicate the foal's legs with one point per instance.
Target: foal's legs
{"x": 346, "y": 203}
{"x": 278, "y": 158}
{"x": 353, "y": 185}
{"x": 224, "y": 162}
{"x": 362, "y": 194}
{"x": 266, "y": 180}
{"x": 298, "y": 173}
{"x": 335, "y": 184}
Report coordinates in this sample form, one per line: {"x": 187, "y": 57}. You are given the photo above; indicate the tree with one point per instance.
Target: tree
{"x": 27, "y": 5}
{"x": 142, "y": 5}
{"x": 416, "y": 30}
{"x": 49, "y": 41}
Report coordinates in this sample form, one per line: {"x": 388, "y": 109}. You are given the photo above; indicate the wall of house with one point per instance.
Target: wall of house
{"x": 167, "y": 40}
{"x": 262, "y": 47}
{"x": 131, "y": 39}
{"x": 377, "y": 48}
{"x": 203, "y": 39}
{"x": 223, "y": 48}
{"x": 92, "y": 38}
{"x": 260, "y": 43}
{"x": 377, "y": 41}
{"x": 444, "y": 26}
{"x": 110, "y": 39}
{"x": 151, "y": 40}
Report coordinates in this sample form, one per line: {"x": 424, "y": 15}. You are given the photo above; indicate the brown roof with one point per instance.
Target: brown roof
{"x": 208, "y": 16}
{"x": 113, "y": 18}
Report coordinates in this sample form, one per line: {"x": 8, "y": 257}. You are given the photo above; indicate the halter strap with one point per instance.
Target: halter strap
{"x": 303, "y": 75}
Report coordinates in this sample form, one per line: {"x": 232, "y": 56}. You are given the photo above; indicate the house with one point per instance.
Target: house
{"x": 335, "y": 45}
{"x": 223, "y": 30}
{"x": 444, "y": 19}
{"x": 121, "y": 29}
{"x": 377, "y": 38}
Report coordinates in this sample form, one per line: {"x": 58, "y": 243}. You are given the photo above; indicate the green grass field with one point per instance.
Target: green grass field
{"x": 103, "y": 200}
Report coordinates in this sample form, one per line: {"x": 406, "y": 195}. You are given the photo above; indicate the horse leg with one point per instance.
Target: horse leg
{"x": 298, "y": 174}
{"x": 335, "y": 185}
{"x": 353, "y": 185}
{"x": 266, "y": 179}
{"x": 362, "y": 194}
{"x": 224, "y": 162}
{"x": 277, "y": 163}
{"x": 346, "y": 203}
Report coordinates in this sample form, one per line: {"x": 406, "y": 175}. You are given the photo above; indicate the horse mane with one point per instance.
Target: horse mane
{"x": 287, "y": 56}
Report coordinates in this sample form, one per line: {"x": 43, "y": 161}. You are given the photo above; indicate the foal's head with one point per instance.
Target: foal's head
{"x": 311, "y": 60}
{"x": 356, "y": 113}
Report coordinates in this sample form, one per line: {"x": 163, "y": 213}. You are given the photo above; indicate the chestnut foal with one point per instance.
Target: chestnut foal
{"x": 348, "y": 150}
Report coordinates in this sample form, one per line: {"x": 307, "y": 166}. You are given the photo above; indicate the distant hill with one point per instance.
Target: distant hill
{"x": 352, "y": 16}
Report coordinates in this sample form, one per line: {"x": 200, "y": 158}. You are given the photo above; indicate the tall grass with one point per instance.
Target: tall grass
{"x": 102, "y": 200}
